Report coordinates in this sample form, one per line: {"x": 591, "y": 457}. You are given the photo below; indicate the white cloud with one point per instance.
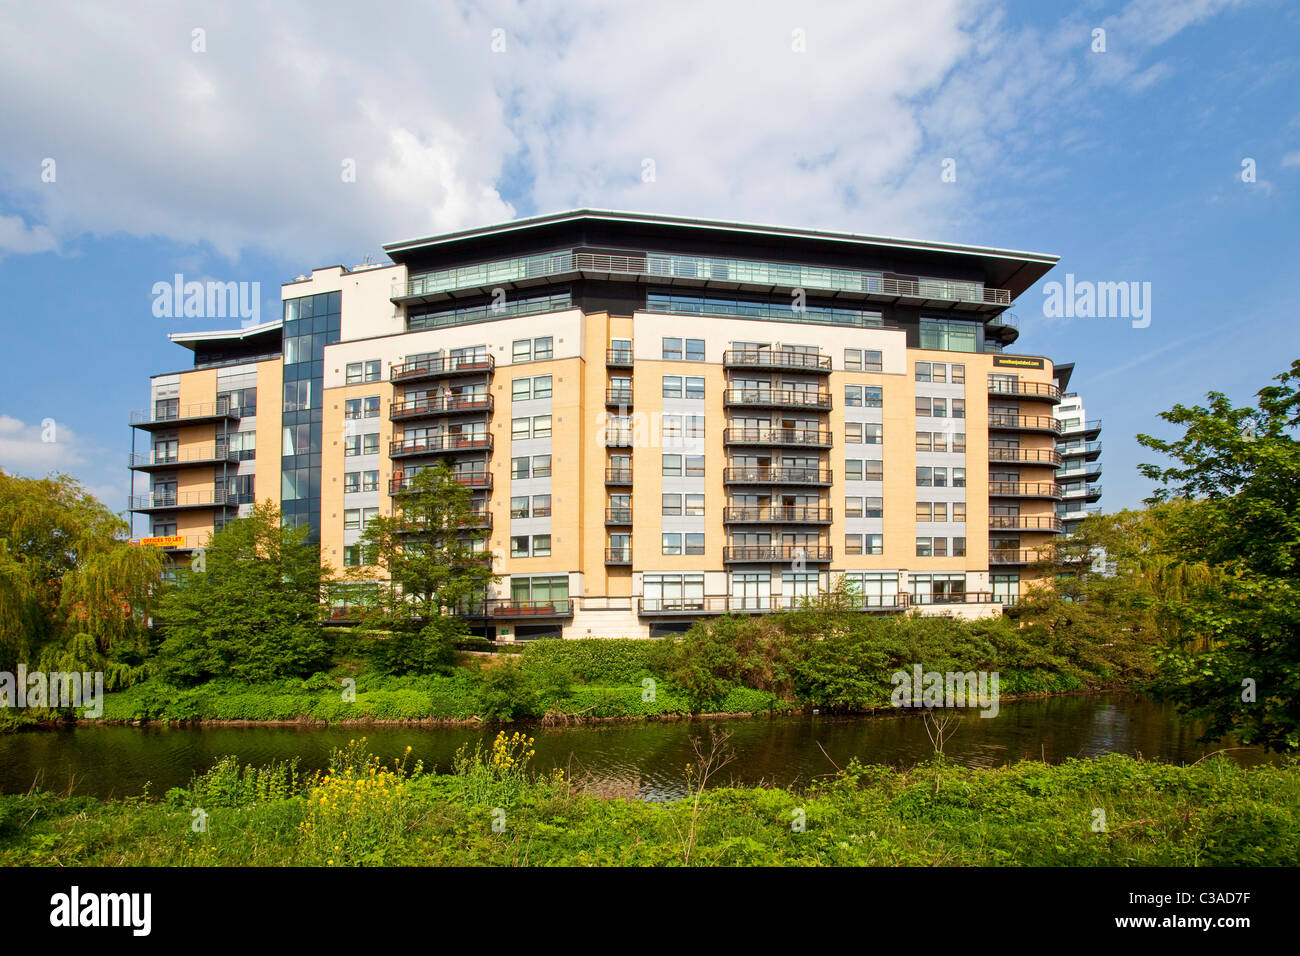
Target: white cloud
{"x": 244, "y": 145}
{"x": 36, "y": 450}
{"x": 1291, "y": 159}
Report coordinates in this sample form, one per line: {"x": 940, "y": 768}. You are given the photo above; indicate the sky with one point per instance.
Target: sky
{"x": 1151, "y": 142}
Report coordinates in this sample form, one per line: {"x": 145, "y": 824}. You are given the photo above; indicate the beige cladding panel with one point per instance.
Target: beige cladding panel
{"x": 270, "y": 420}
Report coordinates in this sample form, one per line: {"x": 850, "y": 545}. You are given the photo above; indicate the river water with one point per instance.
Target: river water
{"x": 637, "y": 760}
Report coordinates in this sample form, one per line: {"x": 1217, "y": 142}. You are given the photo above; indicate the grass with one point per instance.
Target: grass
{"x": 492, "y": 811}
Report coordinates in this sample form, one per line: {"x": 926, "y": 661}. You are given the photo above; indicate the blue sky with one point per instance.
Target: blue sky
{"x": 223, "y": 163}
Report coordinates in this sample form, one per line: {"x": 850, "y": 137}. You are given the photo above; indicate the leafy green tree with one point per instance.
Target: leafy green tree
{"x": 426, "y": 553}
{"x": 430, "y": 650}
{"x": 254, "y": 609}
{"x": 73, "y": 593}
{"x": 1236, "y": 473}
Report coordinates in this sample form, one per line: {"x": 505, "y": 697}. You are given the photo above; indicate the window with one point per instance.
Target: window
{"x": 351, "y": 445}
{"x": 874, "y": 544}
{"x": 959, "y": 477}
{"x": 940, "y": 511}
{"x": 853, "y": 360}
{"x": 959, "y": 408}
{"x": 541, "y": 466}
{"x": 862, "y": 360}
{"x": 541, "y": 426}
{"x": 852, "y": 396}
{"x": 938, "y": 372}
{"x": 672, "y": 466}
{"x": 541, "y": 506}
{"x": 374, "y": 370}
{"x": 519, "y": 546}
{"x": 542, "y": 386}
{"x": 922, "y": 406}
{"x": 694, "y": 505}
{"x": 959, "y": 511}
{"x": 352, "y": 408}
{"x": 351, "y": 481}
{"x": 873, "y": 470}
{"x": 853, "y": 507}
{"x": 694, "y": 466}
{"x": 672, "y": 544}
{"x": 694, "y": 386}
{"x": 923, "y": 442}
{"x": 519, "y": 506}
{"x": 519, "y": 468}
{"x": 923, "y": 371}
{"x": 941, "y": 477}
{"x": 690, "y": 349}
{"x": 875, "y": 507}
{"x": 924, "y": 478}
{"x": 940, "y": 441}
{"x": 923, "y": 547}
{"x": 940, "y": 547}
{"x": 959, "y": 441}
{"x": 872, "y": 433}
{"x": 672, "y": 505}
{"x": 521, "y": 350}
{"x": 923, "y": 511}
{"x": 352, "y": 555}
{"x": 519, "y": 428}
{"x": 357, "y": 372}
{"x": 370, "y": 404}
{"x": 695, "y": 350}
{"x": 672, "y": 386}
{"x": 853, "y": 544}
{"x": 949, "y": 335}
{"x": 672, "y": 350}
{"x": 957, "y": 374}
{"x": 521, "y": 389}
{"x": 853, "y": 433}
{"x": 959, "y": 547}
{"x": 352, "y": 519}
{"x": 541, "y": 545}
{"x": 872, "y": 396}
{"x": 368, "y": 515}
{"x": 695, "y": 543}
{"x": 370, "y": 444}
{"x": 543, "y": 348}
{"x": 853, "y": 469}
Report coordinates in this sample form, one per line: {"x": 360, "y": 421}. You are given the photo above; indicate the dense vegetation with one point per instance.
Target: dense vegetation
{"x": 1111, "y": 810}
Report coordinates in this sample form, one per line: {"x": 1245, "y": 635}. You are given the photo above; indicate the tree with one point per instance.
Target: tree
{"x": 254, "y": 609}
{"x": 426, "y": 551}
{"x": 73, "y": 593}
{"x": 1236, "y": 477}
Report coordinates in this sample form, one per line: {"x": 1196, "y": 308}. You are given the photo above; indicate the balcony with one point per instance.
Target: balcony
{"x": 510, "y": 608}
{"x": 618, "y": 396}
{"x": 1074, "y": 515}
{"x": 1082, "y": 493}
{"x": 184, "y": 500}
{"x": 777, "y": 398}
{"x": 1083, "y": 431}
{"x": 723, "y": 604}
{"x": 618, "y": 556}
{"x": 1089, "y": 472}
{"x": 618, "y": 516}
{"x": 438, "y": 445}
{"x": 1087, "y": 450}
{"x": 1024, "y": 489}
{"x": 214, "y": 454}
{"x": 404, "y": 484}
{"x": 769, "y": 514}
{"x": 423, "y": 369}
{"x": 1026, "y": 456}
{"x": 618, "y": 476}
{"x": 778, "y": 359}
{"x": 1004, "y": 557}
{"x": 1012, "y": 388}
{"x": 618, "y": 358}
{"x": 199, "y": 413}
{"x": 481, "y": 518}
{"x": 780, "y": 475}
{"x": 1048, "y": 523}
{"x": 768, "y": 553}
{"x": 439, "y": 405}
{"x": 793, "y": 437}
{"x": 959, "y": 597}
{"x": 1024, "y": 423}
{"x": 694, "y": 272}
{"x": 618, "y": 437}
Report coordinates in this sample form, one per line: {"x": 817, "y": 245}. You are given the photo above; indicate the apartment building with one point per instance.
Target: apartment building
{"x": 660, "y": 418}
{"x": 1079, "y": 444}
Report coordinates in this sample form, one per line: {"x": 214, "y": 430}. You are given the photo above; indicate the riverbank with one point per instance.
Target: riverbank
{"x": 490, "y": 810}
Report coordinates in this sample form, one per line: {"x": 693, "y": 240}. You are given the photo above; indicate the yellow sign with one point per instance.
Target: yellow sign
{"x": 167, "y": 541}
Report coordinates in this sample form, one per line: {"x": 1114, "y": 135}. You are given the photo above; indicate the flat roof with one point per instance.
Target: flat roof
{"x": 192, "y": 339}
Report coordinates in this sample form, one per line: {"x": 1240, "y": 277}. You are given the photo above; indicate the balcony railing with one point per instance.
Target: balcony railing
{"x": 1024, "y": 423}
{"x": 779, "y": 475}
{"x": 618, "y": 358}
{"x": 439, "y": 405}
{"x": 511, "y": 608}
{"x": 438, "y": 445}
{"x": 209, "y": 498}
{"x": 802, "y": 437}
{"x": 1083, "y": 428}
{"x": 1025, "y": 522}
{"x": 402, "y": 484}
{"x": 959, "y": 597}
{"x": 776, "y": 359}
{"x": 618, "y": 437}
{"x": 1090, "y": 473}
{"x": 436, "y": 367}
{"x": 1086, "y": 492}
{"x": 776, "y": 514}
{"x": 192, "y": 414}
{"x": 1089, "y": 450}
{"x": 723, "y": 604}
{"x": 1024, "y": 489}
{"x": 1018, "y": 389}
{"x": 700, "y": 269}
{"x": 1005, "y": 556}
{"x": 1025, "y": 456}
{"x": 618, "y": 396}
{"x": 618, "y": 476}
{"x": 618, "y": 555}
{"x": 777, "y": 398}
{"x": 777, "y": 552}
{"x": 617, "y": 516}
{"x": 184, "y": 457}
{"x": 481, "y": 518}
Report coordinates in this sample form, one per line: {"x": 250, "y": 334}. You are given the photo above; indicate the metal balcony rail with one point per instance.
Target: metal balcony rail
{"x": 957, "y": 597}
{"x": 1042, "y": 423}
{"x": 1001, "y": 386}
{"x": 1025, "y": 522}
{"x": 1025, "y": 489}
{"x": 1015, "y": 556}
{"x": 400, "y": 484}
{"x": 777, "y": 552}
{"x": 439, "y": 405}
{"x": 777, "y": 436}
{"x": 1026, "y": 456}
{"x": 618, "y": 555}
{"x": 618, "y": 396}
{"x": 701, "y": 268}
{"x": 1091, "y": 426}
{"x": 447, "y": 365}
{"x": 1082, "y": 491}
{"x": 213, "y": 498}
{"x": 618, "y": 358}
{"x": 777, "y": 398}
{"x": 436, "y": 444}
{"x": 763, "y": 514}
{"x": 1009, "y": 319}
{"x": 181, "y": 413}
{"x": 776, "y": 359}
{"x": 618, "y": 516}
{"x": 510, "y": 607}
{"x": 618, "y": 437}
{"x": 618, "y": 476}
{"x": 189, "y": 455}
{"x": 778, "y": 475}
{"x": 480, "y": 518}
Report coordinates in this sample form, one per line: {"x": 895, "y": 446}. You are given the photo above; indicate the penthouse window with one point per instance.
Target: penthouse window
{"x": 950, "y": 335}
{"x": 778, "y": 310}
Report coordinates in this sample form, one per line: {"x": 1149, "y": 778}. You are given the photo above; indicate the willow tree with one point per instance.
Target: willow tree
{"x": 74, "y": 594}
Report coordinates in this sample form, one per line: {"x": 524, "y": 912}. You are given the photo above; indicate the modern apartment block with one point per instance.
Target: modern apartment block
{"x": 660, "y": 418}
{"x": 1080, "y": 473}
